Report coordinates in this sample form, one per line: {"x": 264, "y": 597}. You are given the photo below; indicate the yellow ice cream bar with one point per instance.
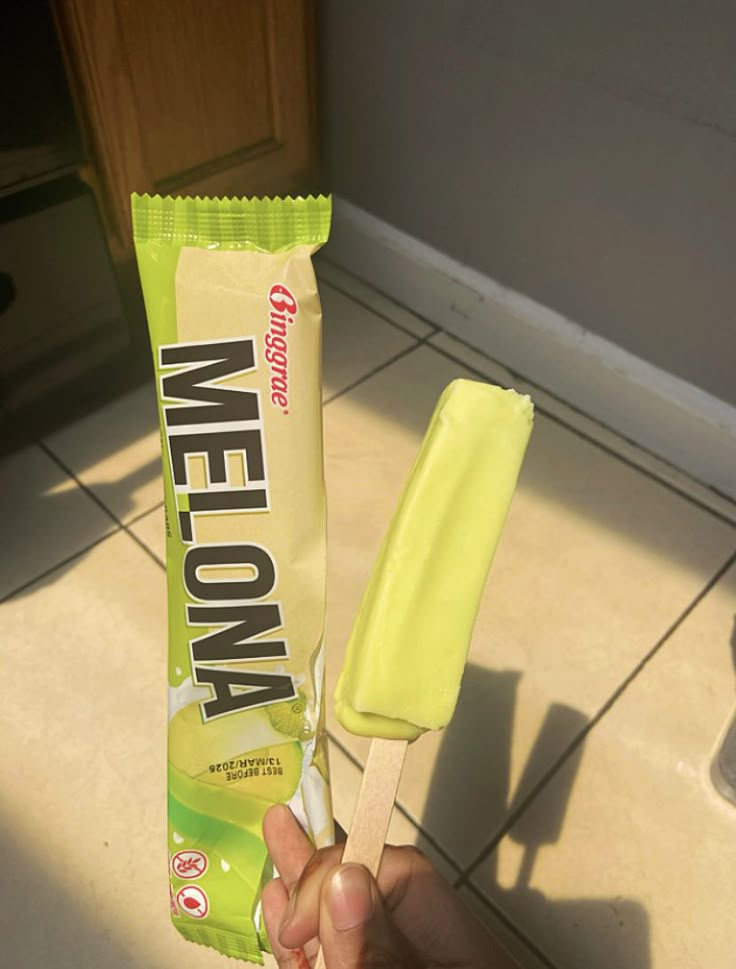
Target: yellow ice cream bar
{"x": 410, "y": 641}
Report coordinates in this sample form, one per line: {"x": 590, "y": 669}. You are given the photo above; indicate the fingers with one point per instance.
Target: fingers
{"x": 294, "y": 856}
{"x": 288, "y": 845}
{"x": 300, "y": 920}
{"x": 415, "y": 905}
{"x": 274, "y": 901}
{"x": 354, "y": 930}
{"x": 401, "y": 879}
{"x": 357, "y": 918}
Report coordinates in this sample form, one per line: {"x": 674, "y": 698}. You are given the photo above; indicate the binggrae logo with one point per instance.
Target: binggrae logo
{"x": 207, "y": 422}
{"x": 282, "y": 313}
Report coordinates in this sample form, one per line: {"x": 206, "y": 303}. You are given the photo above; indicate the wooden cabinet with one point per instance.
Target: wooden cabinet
{"x": 191, "y": 97}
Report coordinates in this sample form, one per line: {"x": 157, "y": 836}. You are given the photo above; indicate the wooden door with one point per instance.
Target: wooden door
{"x": 191, "y": 97}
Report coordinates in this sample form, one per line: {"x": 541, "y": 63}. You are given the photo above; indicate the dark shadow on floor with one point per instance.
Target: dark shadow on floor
{"x": 473, "y": 768}
{"x": 42, "y": 928}
{"x": 584, "y": 933}
{"x": 723, "y": 766}
{"x": 89, "y": 531}
{"x": 473, "y": 765}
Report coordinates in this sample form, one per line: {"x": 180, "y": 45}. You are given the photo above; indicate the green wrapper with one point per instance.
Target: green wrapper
{"x": 235, "y": 324}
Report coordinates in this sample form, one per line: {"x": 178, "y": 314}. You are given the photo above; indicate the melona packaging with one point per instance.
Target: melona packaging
{"x": 235, "y": 324}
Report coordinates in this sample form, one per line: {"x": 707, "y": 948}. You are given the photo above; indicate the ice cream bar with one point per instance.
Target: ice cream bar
{"x": 406, "y": 655}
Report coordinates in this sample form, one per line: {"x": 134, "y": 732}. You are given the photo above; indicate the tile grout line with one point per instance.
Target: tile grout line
{"x": 372, "y": 309}
{"x": 85, "y": 488}
{"x": 31, "y": 439}
{"x": 59, "y": 565}
{"x": 141, "y": 544}
{"x": 511, "y": 926}
{"x": 558, "y": 763}
{"x": 139, "y": 541}
{"x": 366, "y": 306}
{"x": 142, "y": 514}
{"x": 669, "y": 485}
{"x": 88, "y": 548}
{"x": 98, "y": 501}
{"x": 419, "y": 341}
{"x": 402, "y": 810}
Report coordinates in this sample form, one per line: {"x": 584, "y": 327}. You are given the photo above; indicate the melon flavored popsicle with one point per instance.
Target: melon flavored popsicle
{"x": 408, "y": 648}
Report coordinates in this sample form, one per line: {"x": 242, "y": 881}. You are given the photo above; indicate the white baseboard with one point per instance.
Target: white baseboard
{"x": 677, "y": 421}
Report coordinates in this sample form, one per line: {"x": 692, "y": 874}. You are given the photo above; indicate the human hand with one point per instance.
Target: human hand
{"x": 410, "y": 918}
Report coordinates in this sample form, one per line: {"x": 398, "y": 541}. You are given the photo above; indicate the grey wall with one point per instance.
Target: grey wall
{"x": 582, "y": 152}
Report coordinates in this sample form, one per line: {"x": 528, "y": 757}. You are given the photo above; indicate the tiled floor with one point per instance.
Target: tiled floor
{"x": 569, "y": 800}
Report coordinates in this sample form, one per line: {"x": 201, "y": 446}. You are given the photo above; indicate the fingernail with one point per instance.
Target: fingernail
{"x": 350, "y": 900}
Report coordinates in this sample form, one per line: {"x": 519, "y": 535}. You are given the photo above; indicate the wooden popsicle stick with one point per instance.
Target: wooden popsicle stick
{"x": 372, "y": 816}
{"x": 375, "y": 803}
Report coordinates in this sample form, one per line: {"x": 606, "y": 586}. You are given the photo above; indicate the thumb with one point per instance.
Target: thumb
{"x": 354, "y": 930}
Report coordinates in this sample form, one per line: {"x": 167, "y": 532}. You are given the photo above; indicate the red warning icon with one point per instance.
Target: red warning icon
{"x": 193, "y": 901}
{"x": 189, "y": 864}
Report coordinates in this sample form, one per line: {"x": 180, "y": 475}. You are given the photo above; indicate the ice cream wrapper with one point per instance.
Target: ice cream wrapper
{"x": 235, "y": 324}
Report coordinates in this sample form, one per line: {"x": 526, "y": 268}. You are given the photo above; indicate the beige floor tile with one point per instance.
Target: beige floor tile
{"x": 345, "y": 779}
{"x": 45, "y": 517}
{"x": 83, "y": 807}
{"x": 586, "y": 425}
{"x": 596, "y": 562}
{"x": 150, "y": 529}
{"x": 363, "y": 293}
{"x": 116, "y": 452}
{"x": 631, "y": 852}
{"x": 355, "y": 342}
